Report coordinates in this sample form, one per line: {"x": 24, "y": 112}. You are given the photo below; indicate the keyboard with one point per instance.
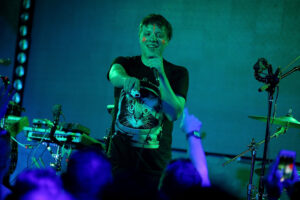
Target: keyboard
{"x": 43, "y": 134}
{"x": 35, "y": 133}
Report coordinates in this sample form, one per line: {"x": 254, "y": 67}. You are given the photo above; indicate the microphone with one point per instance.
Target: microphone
{"x": 260, "y": 66}
{"x": 56, "y": 111}
{"x": 272, "y": 80}
{"x": 5, "y": 61}
{"x": 156, "y": 74}
{"x": 155, "y": 71}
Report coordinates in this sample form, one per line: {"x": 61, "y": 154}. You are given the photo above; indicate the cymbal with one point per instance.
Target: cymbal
{"x": 283, "y": 121}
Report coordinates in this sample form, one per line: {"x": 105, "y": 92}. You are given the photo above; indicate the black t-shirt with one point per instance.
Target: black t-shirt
{"x": 178, "y": 79}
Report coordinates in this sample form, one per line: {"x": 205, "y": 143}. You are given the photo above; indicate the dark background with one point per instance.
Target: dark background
{"x": 74, "y": 43}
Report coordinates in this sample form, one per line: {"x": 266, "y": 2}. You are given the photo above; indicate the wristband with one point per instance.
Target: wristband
{"x": 194, "y": 133}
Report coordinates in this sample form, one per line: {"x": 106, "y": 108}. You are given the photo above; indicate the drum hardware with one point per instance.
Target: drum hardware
{"x": 271, "y": 81}
{"x": 254, "y": 145}
{"x": 252, "y": 148}
{"x": 287, "y": 120}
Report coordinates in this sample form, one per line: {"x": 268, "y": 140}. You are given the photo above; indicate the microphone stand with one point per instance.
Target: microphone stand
{"x": 52, "y": 132}
{"x": 57, "y": 156}
{"x": 272, "y": 81}
{"x": 267, "y": 139}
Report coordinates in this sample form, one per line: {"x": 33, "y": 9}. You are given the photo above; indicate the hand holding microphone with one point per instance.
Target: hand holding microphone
{"x": 156, "y": 65}
{"x": 132, "y": 86}
{"x": 131, "y": 83}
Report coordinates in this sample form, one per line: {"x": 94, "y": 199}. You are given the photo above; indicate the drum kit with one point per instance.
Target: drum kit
{"x": 271, "y": 80}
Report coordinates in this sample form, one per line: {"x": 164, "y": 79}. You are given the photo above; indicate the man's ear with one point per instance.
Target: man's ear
{"x": 166, "y": 42}
{"x": 140, "y": 30}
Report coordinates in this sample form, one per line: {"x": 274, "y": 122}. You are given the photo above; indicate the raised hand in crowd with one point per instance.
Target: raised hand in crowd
{"x": 191, "y": 125}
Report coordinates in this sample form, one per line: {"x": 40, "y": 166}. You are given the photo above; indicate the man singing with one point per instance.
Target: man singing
{"x": 150, "y": 94}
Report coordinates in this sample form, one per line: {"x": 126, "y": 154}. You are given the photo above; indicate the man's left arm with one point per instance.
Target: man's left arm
{"x": 172, "y": 104}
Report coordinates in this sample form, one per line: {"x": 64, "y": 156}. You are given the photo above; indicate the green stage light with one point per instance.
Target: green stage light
{"x": 23, "y": 30}
{"x": 21, "y": 57}
{"x": 24, "y": 16}
{"x": 18, "y": 85}
{"x": 26, "y": 4}
{"x": 20, "y": 71}
{"x": 23, "y": 44}
{"x": 16, "y": 98}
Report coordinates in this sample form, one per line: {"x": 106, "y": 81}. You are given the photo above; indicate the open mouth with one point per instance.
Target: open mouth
{"x": 152, "y": 45}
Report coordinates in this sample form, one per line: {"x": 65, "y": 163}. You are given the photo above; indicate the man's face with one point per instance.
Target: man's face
{"x": 153, "y": 40}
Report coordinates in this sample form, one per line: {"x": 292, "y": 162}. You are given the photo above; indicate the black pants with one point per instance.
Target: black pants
{"x": 127, "y": 159}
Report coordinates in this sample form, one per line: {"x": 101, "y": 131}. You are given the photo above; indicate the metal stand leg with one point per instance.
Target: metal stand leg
{"x": 253, "y": 157}
{"x": 57, "y": 159}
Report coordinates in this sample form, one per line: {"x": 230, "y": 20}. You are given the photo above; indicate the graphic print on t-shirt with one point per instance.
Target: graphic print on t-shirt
{"x": 141, "y": 112}
{"x": 140, "y": 117}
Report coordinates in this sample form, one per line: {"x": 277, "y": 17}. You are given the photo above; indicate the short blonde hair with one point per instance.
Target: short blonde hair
{"x": 160, "y": 21}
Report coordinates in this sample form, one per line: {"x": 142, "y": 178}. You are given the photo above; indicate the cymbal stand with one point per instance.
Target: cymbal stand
{"x": 267, "y": 139}
{"x": 253, "y": 157}
{"x": 280, "y": 131}
{"x": 252, "y": 147}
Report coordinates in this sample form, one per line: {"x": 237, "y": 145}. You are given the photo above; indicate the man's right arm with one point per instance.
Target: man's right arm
{"x": 117, "y": 75}
{"x": 120, "y": 79}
